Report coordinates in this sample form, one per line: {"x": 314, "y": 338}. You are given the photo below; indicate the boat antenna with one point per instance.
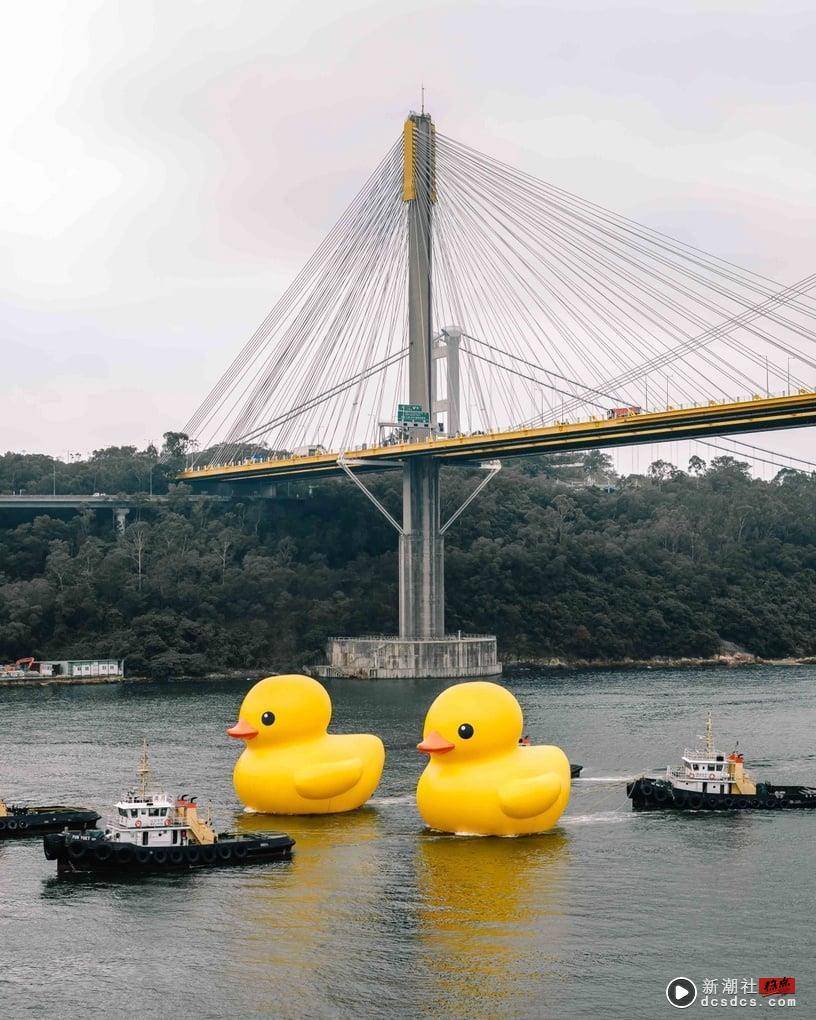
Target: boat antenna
{"x": 143, "y": 770}
{"x": 709, "y": 737}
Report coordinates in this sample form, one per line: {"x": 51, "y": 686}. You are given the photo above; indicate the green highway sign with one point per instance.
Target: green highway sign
{"x": 412, "y": 414}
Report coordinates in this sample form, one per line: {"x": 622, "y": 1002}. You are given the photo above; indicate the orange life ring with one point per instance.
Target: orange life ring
{"x": 168, "y": 821}
{"x": 138, "y": 824}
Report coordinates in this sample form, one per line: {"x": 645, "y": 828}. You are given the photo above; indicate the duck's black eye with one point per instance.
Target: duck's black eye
{"x": 465, "y": 731}
{"x": 268, "y": 718}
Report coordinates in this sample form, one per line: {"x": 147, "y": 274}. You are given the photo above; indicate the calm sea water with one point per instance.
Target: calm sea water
{"x": 376, "y": 917}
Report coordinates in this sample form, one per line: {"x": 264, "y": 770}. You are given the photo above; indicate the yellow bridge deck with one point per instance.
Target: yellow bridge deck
{"x": 713, "y": 419}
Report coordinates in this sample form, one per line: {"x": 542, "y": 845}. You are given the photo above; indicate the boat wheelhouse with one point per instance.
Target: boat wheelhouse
{"x": 155, "y": 819}
{"x": 705, "y": 770}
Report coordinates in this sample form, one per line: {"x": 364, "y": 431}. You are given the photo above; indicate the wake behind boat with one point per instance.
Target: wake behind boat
{"x": 709, "y": 780}
{"x": 152, "y": 831}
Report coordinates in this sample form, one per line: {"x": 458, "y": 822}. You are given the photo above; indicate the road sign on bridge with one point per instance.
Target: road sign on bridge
{"x": 412, "y": 414}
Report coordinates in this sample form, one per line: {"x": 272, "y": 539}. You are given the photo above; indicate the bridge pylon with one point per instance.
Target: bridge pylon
{"x": 421, "y": 546}
{"x": 423, "y": 649}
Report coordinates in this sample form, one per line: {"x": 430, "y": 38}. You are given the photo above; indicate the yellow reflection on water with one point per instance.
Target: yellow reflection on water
{"x": 306, "y": 913}
{"x": 493, "y": 916}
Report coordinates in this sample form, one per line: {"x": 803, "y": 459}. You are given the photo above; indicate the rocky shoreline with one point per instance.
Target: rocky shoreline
{"x": 735, "y": 660}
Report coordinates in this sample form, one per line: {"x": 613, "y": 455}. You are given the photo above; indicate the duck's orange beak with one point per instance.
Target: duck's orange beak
{"x": 242, "y": 731}
{"x": 435, "y": 743}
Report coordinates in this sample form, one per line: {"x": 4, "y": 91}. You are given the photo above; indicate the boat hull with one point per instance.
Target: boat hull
{"x": 23, "y": 824}
{"x": 659, "y": 795}
{"x": 76, "y": 855}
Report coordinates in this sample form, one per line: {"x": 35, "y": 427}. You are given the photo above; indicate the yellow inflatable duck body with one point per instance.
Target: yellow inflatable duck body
{"x": 479, "y": 780}
{"x": 291, "y": 765}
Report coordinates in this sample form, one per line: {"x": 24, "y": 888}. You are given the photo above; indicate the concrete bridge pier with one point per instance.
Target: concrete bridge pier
{"x": 421, "y": 553}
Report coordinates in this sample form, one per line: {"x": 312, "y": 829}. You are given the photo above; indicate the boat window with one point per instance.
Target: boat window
{"x": 123, "y": 812}
{"x": 163, "y": 812}
{"x": 695, "y": 766}
{"x": 133, "y": 812}
{"x": 153, "y": 812}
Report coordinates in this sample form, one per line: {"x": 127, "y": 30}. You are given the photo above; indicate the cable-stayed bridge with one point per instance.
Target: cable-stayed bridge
{"x": 461, "y": 311}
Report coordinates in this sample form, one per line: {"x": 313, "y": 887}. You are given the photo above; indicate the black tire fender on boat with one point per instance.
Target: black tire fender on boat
{"x": 176, "y": 855}
{"x": 224, "y": 853}
{"x": 729, "y": 802}
{"x": 208, "y": 854}
{"x": 659, "y": 794}
{"x": 142, "y": 855}
{"x": 124, "y": 854}
{"x": 695, "y": 801}
{"x": 646, "y": 788}
{"x": 711, "y": 801}
{"x": 12, "y": 826}
{"x": 239, "y": 852}
{"x": 22, "y": 826}
{"x": 193, "y": 854}
{"x": 75, "y": 850}
{"x": 103, "y": 852}
{"x": 160, "y": 855}
{"x": 2, "y": 824}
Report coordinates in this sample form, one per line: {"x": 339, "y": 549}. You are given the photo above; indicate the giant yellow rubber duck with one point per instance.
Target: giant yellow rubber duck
{"x": 479, "y": 780}
{"x": 291, "y": 765}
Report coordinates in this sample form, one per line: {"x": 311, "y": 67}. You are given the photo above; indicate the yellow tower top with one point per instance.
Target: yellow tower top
{"x": 410, "y": 147}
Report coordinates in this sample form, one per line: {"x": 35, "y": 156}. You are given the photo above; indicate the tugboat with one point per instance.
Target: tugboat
{"x": 152, "y": 831}
{"x": 709, "y": 780}
{"x": 18, "y": 821}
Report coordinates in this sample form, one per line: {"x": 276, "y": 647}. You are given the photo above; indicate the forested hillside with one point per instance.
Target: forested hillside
{"x": 670, "y": 564}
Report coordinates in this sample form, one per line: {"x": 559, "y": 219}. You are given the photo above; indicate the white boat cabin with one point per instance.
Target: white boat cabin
{"x": 702, "y": 772}
{"x": 156, "y": 819}
{"x": 706, "y": 770}
{"x": 148, "y": 820}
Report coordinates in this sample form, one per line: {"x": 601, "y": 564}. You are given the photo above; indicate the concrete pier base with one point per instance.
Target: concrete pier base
{"x": 462, "y": 657}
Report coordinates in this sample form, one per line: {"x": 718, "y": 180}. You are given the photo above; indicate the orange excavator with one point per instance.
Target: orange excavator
{"x": 26, "y": 664}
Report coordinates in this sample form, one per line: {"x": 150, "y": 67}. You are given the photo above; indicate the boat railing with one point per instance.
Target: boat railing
{"x": 701, "y": 754}
{"x": 682, "y": 774}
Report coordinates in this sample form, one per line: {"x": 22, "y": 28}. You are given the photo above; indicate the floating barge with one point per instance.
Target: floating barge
{"x": 22, "y": 821}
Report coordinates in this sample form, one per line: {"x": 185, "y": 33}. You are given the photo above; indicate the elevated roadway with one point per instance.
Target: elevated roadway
{"x": 757, "y": 414}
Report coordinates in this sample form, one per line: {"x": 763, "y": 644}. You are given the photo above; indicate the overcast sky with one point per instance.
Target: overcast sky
{"x": 167, "y": 166}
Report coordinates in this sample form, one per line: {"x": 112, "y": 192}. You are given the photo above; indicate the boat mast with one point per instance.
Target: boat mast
{"x": 143, "y": 771}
